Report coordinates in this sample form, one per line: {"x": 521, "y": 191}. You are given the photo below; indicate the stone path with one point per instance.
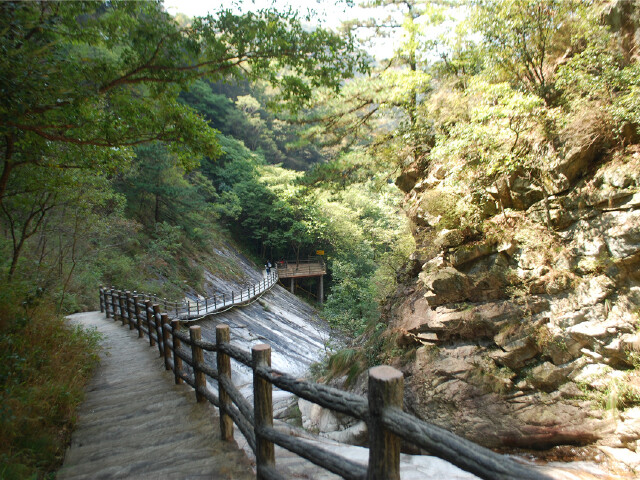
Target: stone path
{"x": 136, "y": 423}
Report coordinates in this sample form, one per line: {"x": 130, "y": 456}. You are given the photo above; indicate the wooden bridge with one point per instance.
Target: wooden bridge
{"x": 303, "y": 269}
{"x": 387, "y": 424}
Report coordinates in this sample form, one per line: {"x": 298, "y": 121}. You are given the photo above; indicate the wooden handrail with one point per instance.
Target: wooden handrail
{"x": 381, "y": 410}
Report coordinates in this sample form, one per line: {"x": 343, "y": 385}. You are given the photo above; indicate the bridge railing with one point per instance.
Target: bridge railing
{"x": 302, "y": 267}
{"x": 382, "y": 411}
{"x": 188, "y": 310}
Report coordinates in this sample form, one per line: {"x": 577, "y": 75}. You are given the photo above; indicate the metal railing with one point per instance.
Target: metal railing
{"x": 189, "y": 310}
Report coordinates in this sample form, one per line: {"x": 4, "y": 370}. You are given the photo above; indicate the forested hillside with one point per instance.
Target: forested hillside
{"x": 137, "y": 146}
{"x": 133, "y": 146}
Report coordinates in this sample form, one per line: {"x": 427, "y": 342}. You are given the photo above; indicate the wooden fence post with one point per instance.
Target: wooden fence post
{"x": 148, "y": 311}
{"x": 136, "y": 308}
{"x": 262, "y": 408}
{"x": 128, "y": 303}
{"x": 121, "y": 314}
{"x": 107, "y": 303}
{"x": 123, "y": 311}
{"x": 386, "y": 387}
{"x": 101, "y": 295}
{"x": 165, "y": 341}
{"x": 177, "y": 361}
{"x": 124, "y": 307}
{"x": 198, "y": 359}
{"x": 156, "y": 314}
{"x": 224, "y": 370}
{"x": 113, "y": 305}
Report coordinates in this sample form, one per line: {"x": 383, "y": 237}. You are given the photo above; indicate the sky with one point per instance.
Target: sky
{"x": 330, "y": 14}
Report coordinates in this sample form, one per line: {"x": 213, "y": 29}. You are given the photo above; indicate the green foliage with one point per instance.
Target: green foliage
{"x": 166, "y": 241}
{"x": 621, "y": 395}
{"x": 365, "y": 243}
{"x": 599, "y": 79}
{"x": 159, "y": 190}
{"x": 495, "y": 135}
{"x": 44, "y": 365}
{"x": 79, "y": 76}
{"x": 523, "y": 38}
{"x": 351, "y": 305}
{"x": 247, "y": 119}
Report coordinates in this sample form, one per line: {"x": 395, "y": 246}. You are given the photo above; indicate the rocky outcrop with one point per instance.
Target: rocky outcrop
{"x": 527, "y": 330}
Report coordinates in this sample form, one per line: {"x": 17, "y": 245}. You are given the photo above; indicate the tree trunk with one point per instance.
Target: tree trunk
{"x": 156, "y": 215}
{"x": 38, "y": 212}
{"x": 6, "y": 167}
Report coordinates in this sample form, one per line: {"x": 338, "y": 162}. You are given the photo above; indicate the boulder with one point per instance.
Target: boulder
{"x": 446, "y": 285}
{"x": 547, "y": 377}
{"x": 516, "y": 353}
{"x": 620, "y": 178}
{"x": 628, "y": 431}
{"x": 554, "y": 313}
{"x": 623, "y": 235}
{"x": 562, "y": 349}
{"x": 593, "y": 374}
{"x": 594, "y": 290}
{"x": 589, "y": 333}
{"x": 408, "y": 179}
{"x": 449, "y": 238}
{"x": 330, "y": 424}
{"x": 516, "y": 191}
{"x": 472, "y": 252}
{"x": 572, "y": 165}
{"x": 623, "y": 455}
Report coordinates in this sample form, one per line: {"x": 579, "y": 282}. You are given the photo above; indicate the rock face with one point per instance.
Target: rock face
{"x": 527, "y": 330}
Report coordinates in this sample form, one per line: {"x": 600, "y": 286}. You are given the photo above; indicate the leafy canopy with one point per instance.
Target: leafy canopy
{"x": 82, "y": 82}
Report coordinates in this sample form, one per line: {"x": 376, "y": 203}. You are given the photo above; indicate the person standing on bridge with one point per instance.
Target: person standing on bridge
{"x": 268, "y": 267}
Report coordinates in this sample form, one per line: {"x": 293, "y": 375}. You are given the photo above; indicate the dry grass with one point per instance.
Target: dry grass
{"x": 347, "y": 362}
{"x": 44, "y": 366}
{"x": 589, "y": 126}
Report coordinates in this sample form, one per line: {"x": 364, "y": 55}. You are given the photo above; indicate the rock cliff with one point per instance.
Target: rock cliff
{"x": 527, "y": 330}
{"x": 520, "y": 308}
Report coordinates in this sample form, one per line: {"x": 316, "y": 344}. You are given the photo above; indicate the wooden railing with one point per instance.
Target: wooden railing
{"x": 188, "y": 310}
{"x": 302, "y": 268}
{"x": 382, "y": 411}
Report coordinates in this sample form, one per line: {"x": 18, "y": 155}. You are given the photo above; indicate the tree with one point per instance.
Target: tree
{"x": 85, "y": 82}
{"x": 523, "y": 38}
{"x": 159, "y": 190}
{"x": 381, "y": 111}
{"x": 241, "y": 110}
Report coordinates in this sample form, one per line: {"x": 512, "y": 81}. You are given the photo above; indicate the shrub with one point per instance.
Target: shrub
{"x": 44, "y": 365}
